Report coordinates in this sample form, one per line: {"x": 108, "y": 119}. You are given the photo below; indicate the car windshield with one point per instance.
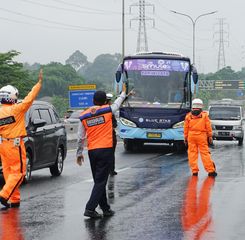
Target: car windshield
{"x": 224, "y": 113}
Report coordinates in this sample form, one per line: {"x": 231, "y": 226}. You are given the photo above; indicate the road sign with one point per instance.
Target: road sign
{"x": 229, "y": 84}
{"x": 239, "y": 93}
{"x": 81, "y": 98}
{"x": 83, "y": 87}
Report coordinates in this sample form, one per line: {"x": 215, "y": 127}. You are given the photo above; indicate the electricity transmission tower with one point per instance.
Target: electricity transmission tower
{"x": 142, "y": 43}
{"x": 223, "y": 38}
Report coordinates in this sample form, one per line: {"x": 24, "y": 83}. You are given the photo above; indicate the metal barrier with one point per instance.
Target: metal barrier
{"x": 71, "y": 130}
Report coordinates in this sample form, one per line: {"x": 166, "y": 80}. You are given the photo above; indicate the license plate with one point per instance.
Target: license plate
{"x": 224, "y": 134}
{"x": 154, "y": 135}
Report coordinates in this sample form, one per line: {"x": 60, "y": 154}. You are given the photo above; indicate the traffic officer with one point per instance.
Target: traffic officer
{"x": 12, "y": 148}
{"x": 96, "y": 125}
{"x": 197, "y": 134}
{"x": 109, "y": 97}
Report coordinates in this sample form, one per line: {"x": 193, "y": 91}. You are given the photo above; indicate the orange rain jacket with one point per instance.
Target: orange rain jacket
{"x": 13, "y": 157}
{"x": 196, "y": 125}
{"x": 197, "y": 129}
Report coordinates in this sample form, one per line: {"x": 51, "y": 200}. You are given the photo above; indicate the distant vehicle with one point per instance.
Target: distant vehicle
{"x": 68, "y": 113}
{"x": 74, "y": 117}
{"x": 46, "y": 140}
{"x": 227, "y": 120}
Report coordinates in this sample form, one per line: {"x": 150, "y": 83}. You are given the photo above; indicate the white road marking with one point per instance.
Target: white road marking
{"x": 120, "y": 170}
{"x": 123, "y": 169}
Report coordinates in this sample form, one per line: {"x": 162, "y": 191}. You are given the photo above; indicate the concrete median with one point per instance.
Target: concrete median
{"x": 71, "y": 130}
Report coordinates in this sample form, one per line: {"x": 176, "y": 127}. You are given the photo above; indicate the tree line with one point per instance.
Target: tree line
{"x": 78, "y": 70}
{"x": 58, "y": 76}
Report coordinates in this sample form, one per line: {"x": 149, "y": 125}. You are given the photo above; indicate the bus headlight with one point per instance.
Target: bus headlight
{"x": 126, "y": 122}
{"x": 179, "y": 125}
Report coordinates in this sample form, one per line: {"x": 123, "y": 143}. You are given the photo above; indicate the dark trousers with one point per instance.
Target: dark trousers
{"x": 114, "y": 150}
{"x": 100, "y": 162}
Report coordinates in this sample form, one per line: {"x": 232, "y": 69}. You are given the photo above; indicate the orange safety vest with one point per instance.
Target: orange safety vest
{"x": 12, "y": 116}
{"x": 97, "y": 121}
{"x": 197, "y": 124}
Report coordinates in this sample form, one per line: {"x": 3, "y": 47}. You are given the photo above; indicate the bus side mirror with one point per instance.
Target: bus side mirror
{"x": 194, "y": 74}
{"x": 195, "y": 78}
{"x": 119, "y": 73}
{"x": 118, "y": 76}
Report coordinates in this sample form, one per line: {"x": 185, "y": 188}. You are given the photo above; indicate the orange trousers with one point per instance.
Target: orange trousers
{"x": 199, "y": 143}
{"x": 14, "y": 167}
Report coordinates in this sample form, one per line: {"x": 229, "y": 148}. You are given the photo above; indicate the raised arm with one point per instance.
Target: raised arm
{"x": 118, "y": 102}
{"x": 28, "y": 100}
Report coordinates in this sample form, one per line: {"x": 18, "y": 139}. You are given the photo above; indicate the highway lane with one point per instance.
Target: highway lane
{"x": 154, "y": 197}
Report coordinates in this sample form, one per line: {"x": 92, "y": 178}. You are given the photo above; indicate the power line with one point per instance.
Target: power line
{"x": 57, "y": 23}
{"x": 79, "y": 6}
{"x": 159, "y": 43}
{"x": 63, "y": 9}
{"x": 171, "y": 38}
{"x": 176, "y": 27}
{"x": 51, "y": 27}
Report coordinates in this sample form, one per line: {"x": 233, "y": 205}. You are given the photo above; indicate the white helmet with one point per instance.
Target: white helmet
{"x": 9, "y": 94}
{"x": 109, "y": 96}
{"x": 197, "y": 103}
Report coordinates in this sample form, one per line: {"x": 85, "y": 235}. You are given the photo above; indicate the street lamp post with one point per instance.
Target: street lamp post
{"x": 123, "y": 29}
{"x": 193, "y": 29}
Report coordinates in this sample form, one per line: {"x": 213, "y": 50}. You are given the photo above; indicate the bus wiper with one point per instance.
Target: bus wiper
{"x": 234, "y": 118}
{"x": 184, "y": 92}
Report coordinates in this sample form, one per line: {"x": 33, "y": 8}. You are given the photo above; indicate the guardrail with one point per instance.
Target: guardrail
{"x": 71, "y": 130}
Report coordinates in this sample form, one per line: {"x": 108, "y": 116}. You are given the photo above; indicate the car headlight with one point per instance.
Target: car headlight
{"x": 126, "y": 122}
{"x": 178, "y": 125}
{"x": 237, "y": 127}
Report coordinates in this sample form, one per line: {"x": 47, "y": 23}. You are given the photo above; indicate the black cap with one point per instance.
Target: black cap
{"x": 99, "y": 98}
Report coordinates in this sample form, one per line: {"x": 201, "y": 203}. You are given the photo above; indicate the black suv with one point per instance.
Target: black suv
{"x": 46, "y": 141}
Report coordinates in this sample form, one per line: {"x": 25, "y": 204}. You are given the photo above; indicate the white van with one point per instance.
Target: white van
{"x": 227, "y": 120}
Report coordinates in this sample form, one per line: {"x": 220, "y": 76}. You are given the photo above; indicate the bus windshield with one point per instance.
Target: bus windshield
{"x": 157, "y": 82}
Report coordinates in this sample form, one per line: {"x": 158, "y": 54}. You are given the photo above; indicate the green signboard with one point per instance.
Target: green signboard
{"x": 229, "y": 84}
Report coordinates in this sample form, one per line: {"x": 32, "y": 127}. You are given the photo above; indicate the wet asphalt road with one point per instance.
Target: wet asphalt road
{"x": 153, "y": 195}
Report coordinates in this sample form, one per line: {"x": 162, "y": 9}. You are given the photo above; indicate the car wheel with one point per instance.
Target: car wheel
{"x": 28, "y": 168}
{"x": 240, "y": 141}
{"x": 57, "y": 168}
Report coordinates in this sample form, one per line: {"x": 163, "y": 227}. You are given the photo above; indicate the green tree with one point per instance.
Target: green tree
{"x": 57, "y": 78}
{"x": 61, "y": 104}
{"x": 13, "y": 73}
{"x": 102, "y": 71}
{"x": 78, "y": 61}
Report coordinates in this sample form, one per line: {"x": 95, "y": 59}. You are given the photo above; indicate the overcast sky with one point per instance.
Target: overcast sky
{"x": 51, "y": 30}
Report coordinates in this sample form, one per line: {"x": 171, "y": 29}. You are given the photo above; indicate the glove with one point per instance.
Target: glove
{"x": 210, "y": 140}
{"x": 186, "y": 142}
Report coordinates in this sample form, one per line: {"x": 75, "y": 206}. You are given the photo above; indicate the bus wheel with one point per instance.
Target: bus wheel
{"x": 179, "y": 147}
{"x": 128, "y": 145}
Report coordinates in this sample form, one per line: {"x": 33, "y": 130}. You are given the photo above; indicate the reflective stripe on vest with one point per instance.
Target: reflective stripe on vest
{"x": 98, "y": 124}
